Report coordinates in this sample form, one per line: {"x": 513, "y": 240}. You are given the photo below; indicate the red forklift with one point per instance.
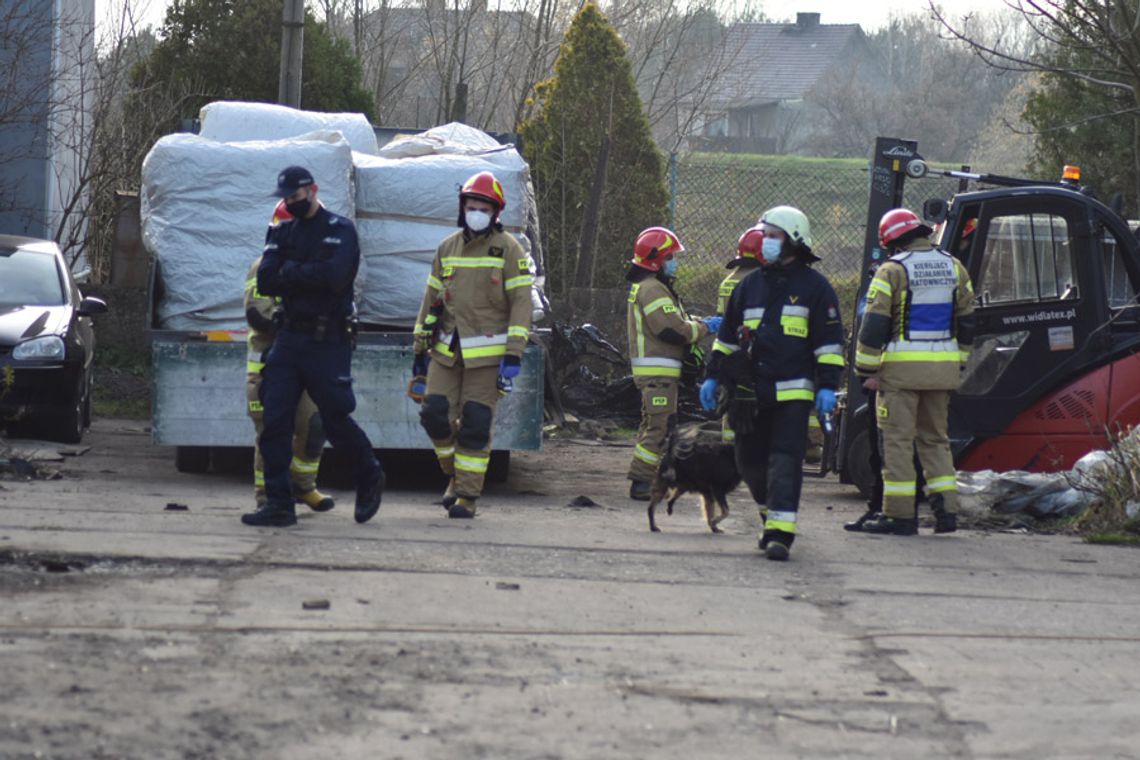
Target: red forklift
{"x": 1055, "y": 368}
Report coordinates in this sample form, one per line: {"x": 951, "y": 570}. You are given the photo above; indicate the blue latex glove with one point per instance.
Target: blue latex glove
{"x": 420, "y": 365}
{"x": 825, "y": 401}
{"x": 708, "y": 393}
{"x": 509, "y": 367}
{"x": 713, "y": 323}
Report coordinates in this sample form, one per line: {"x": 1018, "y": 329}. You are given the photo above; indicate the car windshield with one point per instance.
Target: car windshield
{"x": 29, "y": 279}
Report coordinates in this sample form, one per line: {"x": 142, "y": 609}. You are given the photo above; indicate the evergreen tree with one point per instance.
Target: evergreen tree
{"x": 231, "y": 49}
{"x": 591, "y": 97}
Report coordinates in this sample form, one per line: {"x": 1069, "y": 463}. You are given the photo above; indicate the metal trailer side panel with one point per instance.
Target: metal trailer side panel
{"x": 199, "y": 396}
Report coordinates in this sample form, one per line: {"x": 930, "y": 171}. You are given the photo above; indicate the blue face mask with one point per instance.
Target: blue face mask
{"x": 670, "y": 268}
{"x": 770, "y": 249}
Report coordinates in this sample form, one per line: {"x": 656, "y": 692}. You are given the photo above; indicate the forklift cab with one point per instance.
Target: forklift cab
{"x": 1056, "y": 274}
{"x": 1055, "y": 371}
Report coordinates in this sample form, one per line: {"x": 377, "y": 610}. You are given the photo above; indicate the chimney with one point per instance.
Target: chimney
{"x": 805, "y": 21}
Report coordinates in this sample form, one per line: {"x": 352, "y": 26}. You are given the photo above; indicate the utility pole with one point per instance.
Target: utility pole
{"x": 292, "y": 50}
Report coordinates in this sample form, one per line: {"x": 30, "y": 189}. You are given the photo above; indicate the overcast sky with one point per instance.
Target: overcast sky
{"x": 870, "y": 14}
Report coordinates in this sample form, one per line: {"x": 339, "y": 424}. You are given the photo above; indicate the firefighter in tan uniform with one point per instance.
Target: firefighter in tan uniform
{"x": 915, "y": 338}
{"x": 747, "y": 253}
{"x": 660, "y": 337}
{"x": 474, "y": 323}
{"x": 308, "y": 433}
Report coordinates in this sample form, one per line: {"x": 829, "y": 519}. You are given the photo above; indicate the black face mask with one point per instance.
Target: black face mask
{"x": 299, "y": 208}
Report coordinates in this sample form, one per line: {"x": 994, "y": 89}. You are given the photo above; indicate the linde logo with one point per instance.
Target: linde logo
{"x": 899, "y": 151}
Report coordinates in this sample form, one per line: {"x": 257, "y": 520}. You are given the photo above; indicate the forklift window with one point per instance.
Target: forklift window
{"x": 1117, "y": 284}
{"x": 1027, "y": 258}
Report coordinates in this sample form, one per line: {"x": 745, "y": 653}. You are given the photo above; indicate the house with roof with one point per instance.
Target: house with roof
{"x": 763, "y": 102}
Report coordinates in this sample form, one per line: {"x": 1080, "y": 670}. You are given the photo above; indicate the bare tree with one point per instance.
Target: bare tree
{"x": 1087, "y": 46}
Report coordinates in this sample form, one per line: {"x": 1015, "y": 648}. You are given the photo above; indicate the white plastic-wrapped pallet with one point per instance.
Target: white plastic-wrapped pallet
{"x": 238, "y": 121}
{"x": 205, "y": 209}
{"x": 407, "y": 202}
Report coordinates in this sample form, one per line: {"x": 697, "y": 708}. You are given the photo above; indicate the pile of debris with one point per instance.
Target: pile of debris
{"x": 589, "y": 378}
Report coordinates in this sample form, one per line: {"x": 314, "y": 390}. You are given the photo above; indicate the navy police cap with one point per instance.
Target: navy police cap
{"x": 292, "y": 179}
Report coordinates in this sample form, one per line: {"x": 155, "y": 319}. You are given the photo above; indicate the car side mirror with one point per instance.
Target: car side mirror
{"x": 91, "y": 305}
{"x": 934, "y": 210}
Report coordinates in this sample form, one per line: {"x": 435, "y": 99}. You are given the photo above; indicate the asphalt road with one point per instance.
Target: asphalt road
{"x": 538, "y": 630}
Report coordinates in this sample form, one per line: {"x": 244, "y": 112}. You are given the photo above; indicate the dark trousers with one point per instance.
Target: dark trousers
{"x": 770, "y": 458}
{"x": 298, "y": 363}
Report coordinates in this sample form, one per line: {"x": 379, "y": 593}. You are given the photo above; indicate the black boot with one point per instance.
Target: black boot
{"x": 368, "y": 498}
{"x": 944, "y": 522}
{"x": 776, "y": 544}
{"x": 856, "y": 526}
{"x": 639, "y": 490}
{"x": 271, "y": 516}
{"x": 891, "y": 526}
{"x": 462, "y": 509}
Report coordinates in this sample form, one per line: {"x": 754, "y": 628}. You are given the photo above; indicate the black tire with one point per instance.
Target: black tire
{"x": 499, "y": 467}
{"x": 68, "y": 428}
{"x": 858, "y": 462}
{"x": 192, "y": 459}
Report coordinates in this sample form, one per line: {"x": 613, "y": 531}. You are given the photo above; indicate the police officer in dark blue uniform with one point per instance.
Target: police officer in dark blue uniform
{"x": 779, "y": 351}
{"x": 310, "y": 262}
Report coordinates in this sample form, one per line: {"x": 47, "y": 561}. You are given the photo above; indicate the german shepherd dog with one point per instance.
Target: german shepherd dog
{"x": 689, "y": 464}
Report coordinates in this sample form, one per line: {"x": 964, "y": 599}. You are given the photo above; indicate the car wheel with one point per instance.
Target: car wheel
{"x": 69, "y": 427}
{"x": 192, "y": 459}
{"x": 858, "y": 462}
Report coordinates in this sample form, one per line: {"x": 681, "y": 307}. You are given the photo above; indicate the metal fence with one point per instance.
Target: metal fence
{"x": 716, "y": 197}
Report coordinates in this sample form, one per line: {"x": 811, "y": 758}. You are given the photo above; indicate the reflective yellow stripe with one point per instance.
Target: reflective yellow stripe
{"x": 518, "y": 282}
{"x": 305, "y": 465}
{"x": 434, "y": 282}
{"x": 259, "y": 478}
{"x": 920, "y": 356}
{"x": 725, "y": 348}
{"x": 878, "y": 286}
{"x": 657, "y": 304}
{"x": 795, "y": 394}
{"x": 867, "y": 360}
{"x": 443, "y": 452}
{"x": 251, "y": 286}
{"x": 946, "y": 483}
{"x": 479, "y": 351}
{"x": 752, "y": 324}
{"x": 254, "y": 368}
{"x": 780, "y": 520}
{"x": 898, "y": 487}
{"x": 728, "y": 435}
{"x": 468, "y": 463}
{"x": 518, "y": 332}
{"x": 794, "y": 326}
{"x": 963, "y": 357}
{"x": 474, "y": 262}
{"x": 656, "y": 372}
{"x": 832, "y": 359}
{"x": 645, "y": 455}
{"x": 443, "y": 349}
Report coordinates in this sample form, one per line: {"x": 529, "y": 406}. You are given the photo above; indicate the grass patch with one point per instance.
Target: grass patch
{"x": 1114, "y": 539}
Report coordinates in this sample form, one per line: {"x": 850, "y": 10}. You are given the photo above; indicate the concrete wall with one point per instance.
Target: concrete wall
{"x": 46, "y": 78}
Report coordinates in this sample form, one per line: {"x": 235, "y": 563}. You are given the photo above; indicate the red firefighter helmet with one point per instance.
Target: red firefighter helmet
{"x": 280, "y": 214}
{"x": 898, "y": 222}
{"x": 485, "y": 187}
{"x": 748, "y": 247}
{"x": 654, "y": 247}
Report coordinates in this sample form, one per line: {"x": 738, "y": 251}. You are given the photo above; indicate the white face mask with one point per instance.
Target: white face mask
{"x": 770, "y": 249}
{"x": 477, "y": 221}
